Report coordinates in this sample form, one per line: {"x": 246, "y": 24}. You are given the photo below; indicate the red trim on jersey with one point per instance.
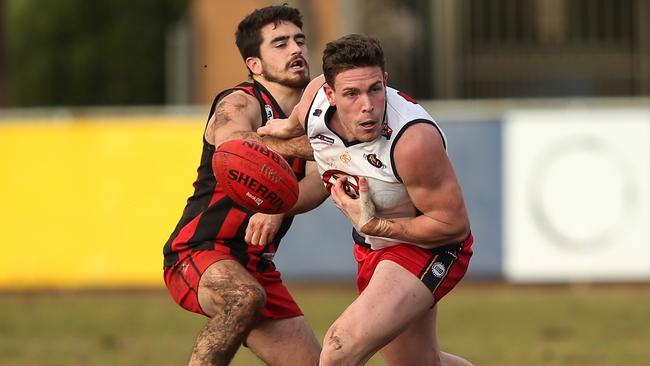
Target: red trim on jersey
{"x": 234, "y": 219}
{"x": 181, "y": 241}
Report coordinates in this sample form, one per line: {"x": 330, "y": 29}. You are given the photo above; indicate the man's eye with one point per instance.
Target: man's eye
{"x": 280, "y": 45}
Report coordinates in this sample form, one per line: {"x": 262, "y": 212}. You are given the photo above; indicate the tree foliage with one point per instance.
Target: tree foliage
{"x": 79, "y": 52}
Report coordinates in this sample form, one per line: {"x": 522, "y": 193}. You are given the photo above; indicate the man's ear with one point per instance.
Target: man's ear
{"x": 385, "y": 78}
{"x": 329, "y": 92}
{"x": 254, "y": 64}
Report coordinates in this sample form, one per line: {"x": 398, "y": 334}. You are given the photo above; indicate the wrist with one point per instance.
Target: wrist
{"x": 377, "y": 226}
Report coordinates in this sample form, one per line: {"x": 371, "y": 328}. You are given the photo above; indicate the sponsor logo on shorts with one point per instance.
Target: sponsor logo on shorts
{"x": 268, "y": 256}
{"x": 438, "y": 269}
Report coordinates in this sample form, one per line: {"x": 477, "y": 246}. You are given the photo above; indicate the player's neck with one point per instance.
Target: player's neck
{"x": 336, "y": 126}
{"x": 286, "y": 97}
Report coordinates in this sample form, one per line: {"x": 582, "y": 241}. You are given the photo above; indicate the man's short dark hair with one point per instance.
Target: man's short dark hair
{"x": 249, "y": 36}
{"x": 350, "y": 52}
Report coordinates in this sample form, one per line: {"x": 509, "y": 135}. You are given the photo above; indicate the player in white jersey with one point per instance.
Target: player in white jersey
{"x": 384, "y": 160}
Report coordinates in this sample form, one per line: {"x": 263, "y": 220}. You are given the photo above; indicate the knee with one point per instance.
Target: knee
{"x": 233, "y": 300}
{"x": 250, "y": 298}
{"x": 342, "y": 348}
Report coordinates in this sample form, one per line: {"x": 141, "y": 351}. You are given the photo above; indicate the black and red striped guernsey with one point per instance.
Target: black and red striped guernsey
{"x": 210, "y": 217}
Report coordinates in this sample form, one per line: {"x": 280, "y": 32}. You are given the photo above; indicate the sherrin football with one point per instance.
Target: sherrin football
{"x": 255, "y": 177}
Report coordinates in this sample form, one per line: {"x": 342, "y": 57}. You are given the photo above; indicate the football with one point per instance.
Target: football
{"x": 255, "y": 177}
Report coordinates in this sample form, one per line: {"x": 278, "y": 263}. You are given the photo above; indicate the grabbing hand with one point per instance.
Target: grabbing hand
{"x": 361, "y": 210}
{"x": 262, "y": 228}
{"x": 281, "y": 128}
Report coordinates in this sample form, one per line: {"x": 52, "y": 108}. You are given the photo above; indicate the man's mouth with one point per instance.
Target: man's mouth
{"x": 367, "y": 124}
{"x": 297, "y": 64}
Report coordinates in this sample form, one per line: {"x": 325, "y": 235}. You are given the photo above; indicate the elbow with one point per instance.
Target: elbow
{"x": 460, "y": 231}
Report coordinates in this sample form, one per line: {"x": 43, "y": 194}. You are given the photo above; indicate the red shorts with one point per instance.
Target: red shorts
{"x": 182, "y": 280}
{"x": 440, "y": 269}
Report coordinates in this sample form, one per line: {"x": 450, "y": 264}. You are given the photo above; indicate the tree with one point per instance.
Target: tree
{"x": 77, "y": 52}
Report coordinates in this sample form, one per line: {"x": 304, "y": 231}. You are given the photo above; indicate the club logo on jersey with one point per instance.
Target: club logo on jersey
{"x": 350, "y": 185}
{"x": 386, "y": 131}
{"x": 317, "y": 112}
{"x": 374, "y": 161}
{"x": 438, "y": 269}
{"x": 269, "y": 111}
{"x": 324, "y": 138}
{"x": 345, "y": 158}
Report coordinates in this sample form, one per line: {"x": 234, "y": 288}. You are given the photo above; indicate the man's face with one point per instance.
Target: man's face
{"x": 360, "y": 100}
{"x": 283, "y": 55}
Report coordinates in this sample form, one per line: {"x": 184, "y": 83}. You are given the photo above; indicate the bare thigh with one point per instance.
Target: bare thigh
{"x": 393, "y": 299}
{"x": 222, "y": 283}
{"x": 417, "y": 344}
{"x": 284, "y": 342}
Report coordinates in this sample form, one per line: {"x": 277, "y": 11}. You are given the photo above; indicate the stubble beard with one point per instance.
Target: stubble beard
{"x": 299, "y": 81}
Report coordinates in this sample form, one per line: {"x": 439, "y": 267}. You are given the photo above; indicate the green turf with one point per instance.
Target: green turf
{"x": 488, "y": 324}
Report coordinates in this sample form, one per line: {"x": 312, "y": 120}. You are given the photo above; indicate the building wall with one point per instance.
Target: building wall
{"x": 217, "y": 63}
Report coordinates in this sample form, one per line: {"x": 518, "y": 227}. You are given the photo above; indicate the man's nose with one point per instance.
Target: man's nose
{"x": 367, "y": 106}
{"x": 296, "y": 49}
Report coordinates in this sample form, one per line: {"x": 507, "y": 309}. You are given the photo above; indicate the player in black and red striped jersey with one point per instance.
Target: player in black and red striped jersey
{"x": 218, "y": 260}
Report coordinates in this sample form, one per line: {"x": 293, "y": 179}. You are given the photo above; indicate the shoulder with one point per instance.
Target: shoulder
{"x": 238, "y": 100}
{"x": 419, "y": 150}
{"x": 308, "y": 96}
{"x": 403, "y": 106}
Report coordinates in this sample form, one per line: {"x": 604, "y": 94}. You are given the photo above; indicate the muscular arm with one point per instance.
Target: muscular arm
{"x": 312, "y": 191}
{"x": 237, "y": 116}
{"x": 434, "y": 189}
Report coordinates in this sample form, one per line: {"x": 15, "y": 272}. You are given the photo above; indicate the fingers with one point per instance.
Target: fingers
{"x": 363, "y": 184}
{"x": 363, "y": 187}
{"x": 258, "y": 236}
{"x": 338, "y": 192}
{"x": 264, "y": 130}
{"x": 262, "y": 228}
{"x": 269, "y": 129}
{"x": 252, "y": 236}
{"x": 275, "y": 127}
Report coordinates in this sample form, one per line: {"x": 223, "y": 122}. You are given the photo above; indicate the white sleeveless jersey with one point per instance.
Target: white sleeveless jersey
{"x": 373, "y": 160}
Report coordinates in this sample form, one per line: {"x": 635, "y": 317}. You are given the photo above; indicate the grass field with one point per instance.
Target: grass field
{"x": 489, "y": 324}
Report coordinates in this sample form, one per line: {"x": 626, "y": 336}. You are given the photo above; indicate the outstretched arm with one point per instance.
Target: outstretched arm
{"x": 237, "y": 116}
{"x": 293, "y": 127}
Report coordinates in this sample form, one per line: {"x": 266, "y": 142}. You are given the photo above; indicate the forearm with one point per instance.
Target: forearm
{"x": 422, "y": 230}
{"x": 294, "y": 147}
{"x": 312, "y": 194}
